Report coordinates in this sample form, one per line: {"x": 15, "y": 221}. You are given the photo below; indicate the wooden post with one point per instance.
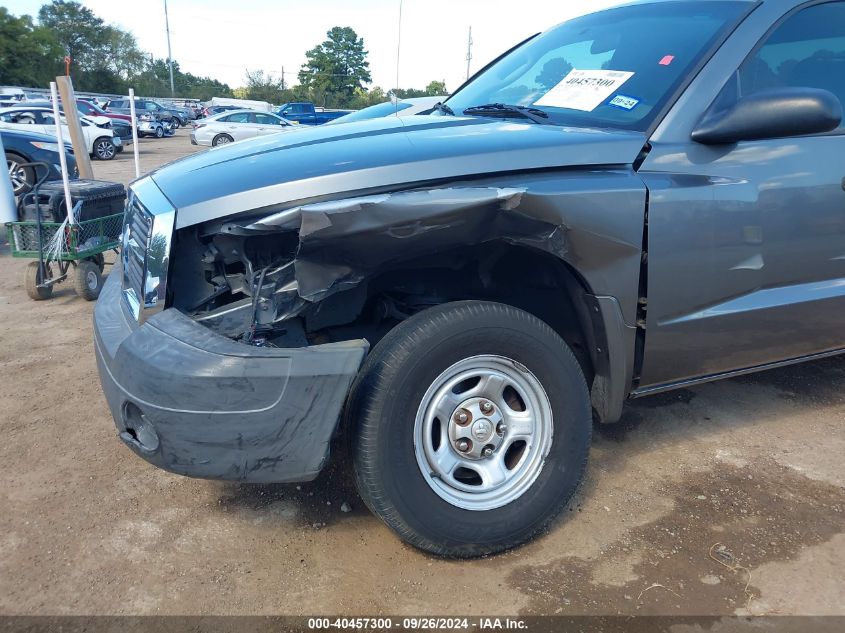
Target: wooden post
{"x": 77, "y": 138}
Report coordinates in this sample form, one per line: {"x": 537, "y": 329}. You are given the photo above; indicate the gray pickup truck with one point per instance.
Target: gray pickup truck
{"x": 640, "y": 199}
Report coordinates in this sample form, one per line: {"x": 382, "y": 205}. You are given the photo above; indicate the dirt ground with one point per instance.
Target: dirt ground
{"x": 727, "y": 498}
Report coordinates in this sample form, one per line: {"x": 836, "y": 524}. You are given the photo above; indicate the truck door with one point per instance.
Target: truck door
{"x": 746, "y": 261}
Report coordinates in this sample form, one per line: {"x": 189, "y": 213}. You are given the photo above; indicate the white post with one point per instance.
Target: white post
{"x": 134, "y": 132}
{"x": 62, "y": 158}
{"x": 8, "y": 212}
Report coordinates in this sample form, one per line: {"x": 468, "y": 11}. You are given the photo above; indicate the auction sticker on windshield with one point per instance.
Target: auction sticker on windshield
{"x": 584, "y": 89}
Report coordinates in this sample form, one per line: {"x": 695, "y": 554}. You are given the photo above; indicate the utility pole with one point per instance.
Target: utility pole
{"x": 398, "y": 44}
{"x": 169, "y": 55}
{"x": 469, "y": 50}
{"x": 283, "y": 77}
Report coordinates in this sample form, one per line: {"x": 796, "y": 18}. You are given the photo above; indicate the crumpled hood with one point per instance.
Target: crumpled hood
{"x": 329, "y": 160}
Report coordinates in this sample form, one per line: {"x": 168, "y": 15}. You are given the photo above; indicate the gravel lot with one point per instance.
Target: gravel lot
{"x": 750, "y": 470}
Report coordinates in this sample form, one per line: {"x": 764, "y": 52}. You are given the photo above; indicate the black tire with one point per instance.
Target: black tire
{"x": 159, "y": 131}
{"x": 104, "y": 148}
{"x": 87, "y": 281}
{"x": 176, "y": 124}
{"x": 221, "y": 139}
{"x": 23, "y": 178}
{"x": 382, "y": 407}
{"x": 32, "y": 279}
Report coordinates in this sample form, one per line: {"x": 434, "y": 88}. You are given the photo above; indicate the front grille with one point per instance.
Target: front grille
{"x": 136, "y": 240}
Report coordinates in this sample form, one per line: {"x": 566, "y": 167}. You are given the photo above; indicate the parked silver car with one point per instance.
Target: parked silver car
{"x": 401, "y": 108}
{"x": 236, "y": 125}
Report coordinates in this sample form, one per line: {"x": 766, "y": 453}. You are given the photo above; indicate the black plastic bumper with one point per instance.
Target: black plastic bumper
{"x": 198, "y": 404}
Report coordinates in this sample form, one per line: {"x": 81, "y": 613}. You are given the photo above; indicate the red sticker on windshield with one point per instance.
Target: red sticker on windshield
{"x": 667, "y": 60}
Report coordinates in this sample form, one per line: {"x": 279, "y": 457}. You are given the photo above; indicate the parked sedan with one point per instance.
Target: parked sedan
{"x": 238, "y": 125}
{"x": 400, "y": 108}
{"x": 120, "y": 124}
{"x": 102, "y": 142}
{"x": 24, "y": 147}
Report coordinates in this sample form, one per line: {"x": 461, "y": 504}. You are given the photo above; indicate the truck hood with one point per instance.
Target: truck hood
{"x": 276, "y": 170}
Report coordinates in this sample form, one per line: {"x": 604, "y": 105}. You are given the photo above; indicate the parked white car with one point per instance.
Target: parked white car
{"x": 400, "y": 108}
{"x": 102, "y": 142}
{"x": 237, "y": 125}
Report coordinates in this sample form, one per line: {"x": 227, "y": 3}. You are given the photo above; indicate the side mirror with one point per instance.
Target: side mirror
{"x": 776, "y": 113}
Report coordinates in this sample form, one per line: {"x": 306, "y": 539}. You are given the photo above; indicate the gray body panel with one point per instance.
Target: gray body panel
{"x": 381, "y": 153}
{"x": 746, "y": 241}
{"x": 213, "y": 408}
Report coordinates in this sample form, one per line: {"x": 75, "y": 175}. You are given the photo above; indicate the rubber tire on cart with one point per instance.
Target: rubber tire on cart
{"x": 159, "y": 131}
{"x": 33, "y": 278}
{"x": 388, "y": 400}
{"x": 222, "y": 139}
{"x": 100, "y": 261}
{"x": 87, "y": 281}
{"x": 104, "y": 148}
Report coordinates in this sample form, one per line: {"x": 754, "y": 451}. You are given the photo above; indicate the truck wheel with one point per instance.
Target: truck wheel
{"x": 104, "y": 148}
{"x": 87, "y": 281}
{"x": 32, "y": 279}
{"x": 176, "y": 124}
{"x": 470, "y": 427}
{"x": 222, "y": 139}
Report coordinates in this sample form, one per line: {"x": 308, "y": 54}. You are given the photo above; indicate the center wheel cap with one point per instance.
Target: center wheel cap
{"x": 474, "y": 428}
{"x": 482, "y": 429}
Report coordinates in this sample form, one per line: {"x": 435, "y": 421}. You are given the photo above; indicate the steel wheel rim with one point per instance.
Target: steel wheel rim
{"x": 453, "y": 455}
{"x": 105, "y": 150}
{"x": 17, "y": 174}
{"x": 91, "y": 280}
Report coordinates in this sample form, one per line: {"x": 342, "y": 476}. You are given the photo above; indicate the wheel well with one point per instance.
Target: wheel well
{"x": 522, "y": 277}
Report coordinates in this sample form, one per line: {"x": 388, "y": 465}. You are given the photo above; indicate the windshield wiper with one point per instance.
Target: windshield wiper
{"x": 442, "y": 107}
{"x": 494, "y": 109}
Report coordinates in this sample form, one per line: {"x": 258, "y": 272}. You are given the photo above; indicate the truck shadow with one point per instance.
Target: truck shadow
{"x": 682, "y": 416}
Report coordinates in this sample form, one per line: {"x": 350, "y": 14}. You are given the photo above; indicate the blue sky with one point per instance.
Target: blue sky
{"x": 222, "y": 38}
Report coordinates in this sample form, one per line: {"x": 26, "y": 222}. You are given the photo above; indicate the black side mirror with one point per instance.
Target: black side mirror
{"x": 777, "y": 113}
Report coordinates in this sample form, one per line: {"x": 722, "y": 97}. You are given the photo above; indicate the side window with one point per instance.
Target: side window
{"x": 807, "y": 50}
{"x": 84, "y": 107}
{"x": 266, "y": 119}
{"x": 239, "y": 117}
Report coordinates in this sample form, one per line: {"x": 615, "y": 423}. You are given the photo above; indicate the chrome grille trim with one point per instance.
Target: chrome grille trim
{"x": 145, "y": 253}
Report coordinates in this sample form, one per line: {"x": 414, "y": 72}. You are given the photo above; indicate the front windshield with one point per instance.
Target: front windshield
{"x": 611, "y": 69}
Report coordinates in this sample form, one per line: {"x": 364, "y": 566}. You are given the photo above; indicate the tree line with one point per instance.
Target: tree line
{"x": 107, "y": 59}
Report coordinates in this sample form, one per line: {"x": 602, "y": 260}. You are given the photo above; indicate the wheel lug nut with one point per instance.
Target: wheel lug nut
{"x": 486, "y": 407}
{"x": 461, "y": 417}
{"x": 501, "y": 428}
{"x": 487, "y": 451}
{"x": 463, "y": 446}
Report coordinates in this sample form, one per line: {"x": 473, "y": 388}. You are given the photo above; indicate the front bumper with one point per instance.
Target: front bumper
{"x": 198, "y": 404}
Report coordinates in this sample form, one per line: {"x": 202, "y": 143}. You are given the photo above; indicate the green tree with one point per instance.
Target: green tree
{"x": 335, "y": 69}
{"x": 29, "y": 55}
{"x": 436, "y": 88}
{"x": 78, "y": 31}
{"x": 262, "y": 86}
